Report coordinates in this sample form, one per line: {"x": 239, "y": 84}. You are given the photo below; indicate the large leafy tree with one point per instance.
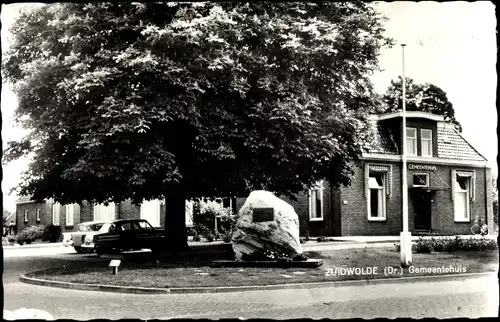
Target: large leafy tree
{"x": 181, "y": 100}
{"x": 419, "y": 97}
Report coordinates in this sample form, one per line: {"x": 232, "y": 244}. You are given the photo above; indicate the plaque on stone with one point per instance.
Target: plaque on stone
{"x": 263, "y": 214}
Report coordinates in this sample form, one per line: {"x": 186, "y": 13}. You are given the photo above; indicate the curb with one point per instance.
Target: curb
{"x": 226, "y": 289}
{"x": 207, "y": 245}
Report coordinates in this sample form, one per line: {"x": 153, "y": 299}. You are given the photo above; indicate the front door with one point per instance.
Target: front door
{"x": 422, "y": 211}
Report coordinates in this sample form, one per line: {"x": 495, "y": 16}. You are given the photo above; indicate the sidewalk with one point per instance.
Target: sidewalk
{"x": 341, "y": 241}
{"x": 385, "y": 239}
{"x": 39, "y": 245}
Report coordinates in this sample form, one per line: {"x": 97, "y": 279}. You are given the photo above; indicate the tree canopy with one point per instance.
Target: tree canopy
{"x": 419, "y": 97}
{"x": 150, "y": 100}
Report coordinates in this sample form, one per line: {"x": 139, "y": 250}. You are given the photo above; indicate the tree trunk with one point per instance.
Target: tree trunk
{"x": 175, "y": 224}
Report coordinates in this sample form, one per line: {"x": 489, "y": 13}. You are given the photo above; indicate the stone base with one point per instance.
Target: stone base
{"x": 310, "y": 263}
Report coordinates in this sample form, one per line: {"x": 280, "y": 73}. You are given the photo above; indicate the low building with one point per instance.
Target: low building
{"x": 69, "y": 216}
{"x": 449, "y": 184}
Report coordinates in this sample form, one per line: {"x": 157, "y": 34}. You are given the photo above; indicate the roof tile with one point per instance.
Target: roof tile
{"x": 451, "y": 145}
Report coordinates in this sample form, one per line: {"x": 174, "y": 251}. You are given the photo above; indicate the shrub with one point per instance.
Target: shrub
{"x": 227, "y": 222}
{"x": 201, "y": 230}
{"x": 307, "y": 236}
{"x": 33, "y": 233}
{"x": 196, "y": 237}
{"x": 30, "y": 234}
{"x": 227, "y": 235}
{"x": 299, "y": 258}
{"x": 449, "y": 244}
{"x": 206, "y": 212}
{"x": 52, "y": 233}
{"x": 212, "y": 208}
{"x": 268, "y": 255}
{"x": 190, "y": 231}
{"x": 20, "y": 239}
{"x": 321, "y": 239}
{"x": 11, "y": 239}
{"x": 210, "y": 236}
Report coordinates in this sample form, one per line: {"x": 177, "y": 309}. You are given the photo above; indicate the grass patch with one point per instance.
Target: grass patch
{"x": 195, "y": 271}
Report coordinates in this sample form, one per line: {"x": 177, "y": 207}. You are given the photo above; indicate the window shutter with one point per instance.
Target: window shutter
{"x": 367, "y": 176}
{"x": 473, "y": 186}
{"x": 453, "y": 180}
{"x": 56, "y": 209}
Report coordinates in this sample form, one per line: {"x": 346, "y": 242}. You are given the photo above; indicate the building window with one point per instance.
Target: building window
{"x": 420, "y": 179}
{"x": 426, "y": 142}
{"x": 105, "y": 213}
{"x": 316, "y": 202}
{"x": 38, "y": 215}
{"x": 411, "y": 141}
{"x": 70, "y": 213}
{"x": 376, "y": 196}
{"x": 150, "y": 210}
{"x": 25, "y": 216}
{"x": 56, "y": 209}
{"x": 189, "y": 213}
{"x": 462, "y": 197}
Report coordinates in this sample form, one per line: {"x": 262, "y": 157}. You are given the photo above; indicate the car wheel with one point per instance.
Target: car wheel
{"x": 78, "y": 249}
{"x": 113, "y": 251}
{"x": 155, "y": 249}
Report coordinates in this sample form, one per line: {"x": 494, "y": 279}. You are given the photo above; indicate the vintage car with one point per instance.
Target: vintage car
{"x": 124, "y": 234}
{"x": 76, "y": 239}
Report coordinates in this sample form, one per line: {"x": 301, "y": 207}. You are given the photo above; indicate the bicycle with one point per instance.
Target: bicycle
{"x": 479, "y": 227}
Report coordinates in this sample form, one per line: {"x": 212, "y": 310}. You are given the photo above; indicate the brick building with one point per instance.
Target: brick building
{"x": 449, "y": 184}
{"x": 69, "y": 216}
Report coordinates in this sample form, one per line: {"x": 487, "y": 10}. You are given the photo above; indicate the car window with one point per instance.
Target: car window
{"x": 96, "y": 227}
{"x": 127, "y": 226}
{"x": 105, "y": 228}
{"x": 108, "y": 228}
{"x": 144, "y": 225}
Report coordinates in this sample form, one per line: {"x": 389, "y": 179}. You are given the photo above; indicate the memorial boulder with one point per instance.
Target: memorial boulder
{"x": 267, "y": 227}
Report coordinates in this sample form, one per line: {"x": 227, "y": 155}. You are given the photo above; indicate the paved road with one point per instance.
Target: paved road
{"x": 474, "y": 297}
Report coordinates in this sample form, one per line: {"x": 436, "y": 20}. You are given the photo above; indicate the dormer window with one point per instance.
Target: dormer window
{"x": 426, "y": 136}
{"x": 411, "y": 141}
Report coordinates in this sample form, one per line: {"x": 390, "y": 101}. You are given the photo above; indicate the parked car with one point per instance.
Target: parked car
{"x": 76, "y": 239}
{"x": 124, "y": 234}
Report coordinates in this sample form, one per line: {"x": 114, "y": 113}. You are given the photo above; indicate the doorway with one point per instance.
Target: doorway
{"x": 422, "y": 208}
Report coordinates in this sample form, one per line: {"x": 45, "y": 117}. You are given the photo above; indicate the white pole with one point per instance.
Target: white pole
{"x": 405, "y": 241}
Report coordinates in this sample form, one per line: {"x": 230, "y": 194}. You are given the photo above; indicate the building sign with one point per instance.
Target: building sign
{"x": 263, "y": 214}
{"x": 421, "y": 167}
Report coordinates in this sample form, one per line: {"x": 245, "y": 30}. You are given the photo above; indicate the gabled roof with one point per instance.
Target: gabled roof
{"x": 452, "y": 145}
{"x": 383, "y": 141}
{"x": 25, "y": 199}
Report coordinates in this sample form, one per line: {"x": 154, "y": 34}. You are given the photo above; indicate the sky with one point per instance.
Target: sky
{"x": 449, "y": 44}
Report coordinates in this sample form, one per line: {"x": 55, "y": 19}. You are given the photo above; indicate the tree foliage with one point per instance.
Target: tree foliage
{"x": 135, "y": 100}
{"x": 419, "y": 97}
